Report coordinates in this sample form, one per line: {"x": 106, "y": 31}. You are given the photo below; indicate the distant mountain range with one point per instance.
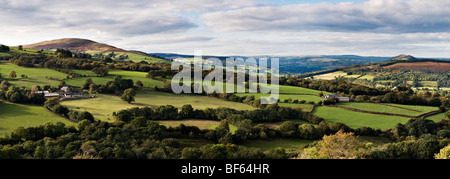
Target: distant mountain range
{"x": 288, "y": 64}
{"x": 302, "y": 64}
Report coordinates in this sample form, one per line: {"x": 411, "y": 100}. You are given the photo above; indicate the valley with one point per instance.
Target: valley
{"x": 113, "y": 91}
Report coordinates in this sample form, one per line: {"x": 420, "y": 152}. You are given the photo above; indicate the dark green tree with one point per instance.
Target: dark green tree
{"x": 128, "y": 95}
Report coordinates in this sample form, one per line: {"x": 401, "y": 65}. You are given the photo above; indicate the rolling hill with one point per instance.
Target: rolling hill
{"x": 96, "y": 49}
{"x": 74, "y": 44}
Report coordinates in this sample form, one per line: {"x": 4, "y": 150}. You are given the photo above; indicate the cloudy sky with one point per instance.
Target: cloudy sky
{"x": 238, "y": 27}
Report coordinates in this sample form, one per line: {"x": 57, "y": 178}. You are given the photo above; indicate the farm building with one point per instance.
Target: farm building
{"x": 66, "y": 89}
{"x": 72, "y": 95}
{"x": 338, "y": 96}
{"x": 47, "y": 94}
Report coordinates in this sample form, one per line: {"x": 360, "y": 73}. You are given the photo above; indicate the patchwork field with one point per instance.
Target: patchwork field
{"x": 13, "y": 116}
{"x": 103, "y": 106}
{"x": 35, "y": 76}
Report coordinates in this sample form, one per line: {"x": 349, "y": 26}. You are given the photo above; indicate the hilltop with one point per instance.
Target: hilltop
{"x": 96, "y": 49}
{"x": 74, "y": 44}
{"x": 403, "y": 58}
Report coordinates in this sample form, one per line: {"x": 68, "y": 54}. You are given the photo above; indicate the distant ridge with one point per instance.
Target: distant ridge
{"x": 75, "y": 45}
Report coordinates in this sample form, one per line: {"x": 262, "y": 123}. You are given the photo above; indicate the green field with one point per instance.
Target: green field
{"x": 103, "y": 105}
{"x": 13, "y": 116}
{"x": 15, "y": 50}
{"x": 134, "y": 75}
{"x": 437, "y": 117}
{"x": 283, "y": 97}
{"x": 134, "y": 57}
{"x": 358, "y": 119}
{"x": 291, "y": 92}
{"x": 367, "y": 77}
{"x": 36, "y": 76}
{"x": 330, "y": 76}
{"x": 390, "y": 109}
{"x": 422, "y": 109}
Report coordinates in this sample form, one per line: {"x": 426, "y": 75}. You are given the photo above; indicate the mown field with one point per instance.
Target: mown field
{"x": 35, "y": 76}
{"x": 104, "y": 105}
{"x": 13, "y": 116}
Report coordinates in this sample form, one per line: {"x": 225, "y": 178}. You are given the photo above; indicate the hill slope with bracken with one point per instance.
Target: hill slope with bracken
{"x": 96, "y": 49}
{"x": 74, "y": 44}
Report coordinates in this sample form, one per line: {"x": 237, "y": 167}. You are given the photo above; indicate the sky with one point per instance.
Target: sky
{"x": 238, "y": 27}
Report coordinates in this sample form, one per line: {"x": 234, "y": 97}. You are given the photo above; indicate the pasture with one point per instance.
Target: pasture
{"x": 330, "y": 76}
{"x": 358, "y": 119}
{"x": 290, "y": 92}
{"x": 34, "y": 76}
{"x": 134, "y": 75}
{"x": 393, "y": 109}
{"x": 133, "y": 57}
{"x": 14, "y": 115}
{"x": 104, "y": 105}
{"x": 437, "y": 117}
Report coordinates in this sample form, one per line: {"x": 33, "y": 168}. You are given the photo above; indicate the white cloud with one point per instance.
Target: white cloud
{"x": 382, "y": 16}
{"x": 108, "y": 17}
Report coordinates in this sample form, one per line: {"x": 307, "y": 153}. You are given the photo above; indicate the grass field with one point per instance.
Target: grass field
{"x": 358, "y": 119}
{"x": 103, "y": 106}
{"x": 330, "y": 76}
{"x": 15, "y": 50}
{"x": 437, "y": 117}
{"x": 291, "y": 92}
{"x": 134, "y": 57}
{"x": 367, "y": 77}
{"x": 36, "y": 76}
{"x": 283, "y": 97}
{"x": 390, "y": 109}
{"x": 13, "y": 116}
{"x": 299, "y": 90}
{"x": 134, "y": 75}
{"x": 422, "y": 109}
